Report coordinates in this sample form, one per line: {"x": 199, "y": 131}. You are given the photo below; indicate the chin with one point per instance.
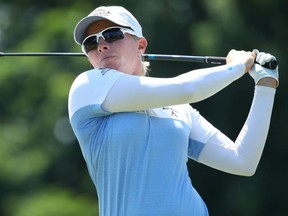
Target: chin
{"x": 111, "y": 63}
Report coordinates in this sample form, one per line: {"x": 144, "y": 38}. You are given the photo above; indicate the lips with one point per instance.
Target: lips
{"x": 108, "y": 61}
{"x": 107, "y": 57}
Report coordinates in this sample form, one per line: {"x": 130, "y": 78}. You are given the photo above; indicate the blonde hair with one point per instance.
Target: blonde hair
{"x": 145, "y": 67}
{"x": 144, "y": 64}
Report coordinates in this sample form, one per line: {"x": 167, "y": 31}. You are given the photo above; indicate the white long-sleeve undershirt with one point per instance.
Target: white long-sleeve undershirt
{"x": 133, "y": 93}
{"x": 242, "y": 156}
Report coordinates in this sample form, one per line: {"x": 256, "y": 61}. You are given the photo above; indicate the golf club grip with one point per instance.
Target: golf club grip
{"x": 201, "y": 59}
{"x": 222, "y": 60}
{"x": 271, "y": 64}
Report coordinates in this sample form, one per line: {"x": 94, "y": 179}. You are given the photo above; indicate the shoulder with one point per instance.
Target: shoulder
{"x": 96, "y": 74}
{"x": 95, "y": 79}
{"x": 91, "y": 88}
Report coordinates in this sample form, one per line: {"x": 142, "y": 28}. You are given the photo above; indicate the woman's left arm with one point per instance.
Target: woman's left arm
{"x": 242, "y": 156}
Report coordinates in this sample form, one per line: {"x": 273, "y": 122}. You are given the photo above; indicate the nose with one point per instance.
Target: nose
{"x": 102, "y": 45}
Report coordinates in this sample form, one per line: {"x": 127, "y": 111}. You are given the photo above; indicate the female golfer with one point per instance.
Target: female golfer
{"x": 136, "y": 132}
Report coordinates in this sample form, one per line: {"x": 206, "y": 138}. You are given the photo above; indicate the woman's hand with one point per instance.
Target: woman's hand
{"x": 264, "y": 76}
{"x": 244, "y": 57}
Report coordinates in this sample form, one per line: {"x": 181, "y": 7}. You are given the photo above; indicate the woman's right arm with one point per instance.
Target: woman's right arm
{"x": 133, "y": 93}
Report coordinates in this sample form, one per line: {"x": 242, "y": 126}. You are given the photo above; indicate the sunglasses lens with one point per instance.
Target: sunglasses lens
{"x": 109, "y": 35}
{"x": 90, "y": 44}
{"x": 113, "y": 34}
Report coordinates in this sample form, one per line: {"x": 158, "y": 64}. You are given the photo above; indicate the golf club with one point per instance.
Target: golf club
{"x": 183, "y": 58}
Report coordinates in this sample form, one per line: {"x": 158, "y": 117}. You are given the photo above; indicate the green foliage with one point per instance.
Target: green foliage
{"x": 42, "y": 171}
{"x": 51, "y": 202}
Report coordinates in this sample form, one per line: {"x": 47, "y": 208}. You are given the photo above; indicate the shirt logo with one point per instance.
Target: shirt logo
{"x": 103, "y": 71}
{"x": 173, "y": 111}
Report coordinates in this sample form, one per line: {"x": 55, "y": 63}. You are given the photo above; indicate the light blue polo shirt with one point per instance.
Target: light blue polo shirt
{"x": 138, "y": 160}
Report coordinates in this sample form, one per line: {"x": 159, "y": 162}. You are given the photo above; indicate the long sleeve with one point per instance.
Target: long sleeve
{"x": 242, "y": 156}
{"x": 133, "y": 93}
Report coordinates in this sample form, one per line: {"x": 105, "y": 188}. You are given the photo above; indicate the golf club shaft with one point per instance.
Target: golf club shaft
{"x": 39, "y": 54}
{"x": 185, "y": 58}
{"x": 182, "y": 58}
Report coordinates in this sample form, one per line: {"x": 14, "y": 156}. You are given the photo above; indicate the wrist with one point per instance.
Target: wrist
{"x": 267, "y": 81}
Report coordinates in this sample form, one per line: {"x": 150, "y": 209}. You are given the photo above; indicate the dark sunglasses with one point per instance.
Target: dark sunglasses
{"x": 110, "y": 35}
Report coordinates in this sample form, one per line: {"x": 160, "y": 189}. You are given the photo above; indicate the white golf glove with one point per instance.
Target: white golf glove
{"x": 258, "y": 72}
{"x": 262, "y": 58}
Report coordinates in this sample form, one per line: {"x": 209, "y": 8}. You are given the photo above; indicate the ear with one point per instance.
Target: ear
{"x": 142, "y": 44}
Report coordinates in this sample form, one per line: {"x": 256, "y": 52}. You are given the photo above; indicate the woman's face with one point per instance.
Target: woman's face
{"x": 123, "y": 55}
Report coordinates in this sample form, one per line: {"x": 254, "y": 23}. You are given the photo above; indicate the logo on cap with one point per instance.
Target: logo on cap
{"x": 101, "y": 12}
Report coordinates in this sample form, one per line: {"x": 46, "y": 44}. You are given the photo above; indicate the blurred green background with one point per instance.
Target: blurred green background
{"x": 42, "y": 172}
